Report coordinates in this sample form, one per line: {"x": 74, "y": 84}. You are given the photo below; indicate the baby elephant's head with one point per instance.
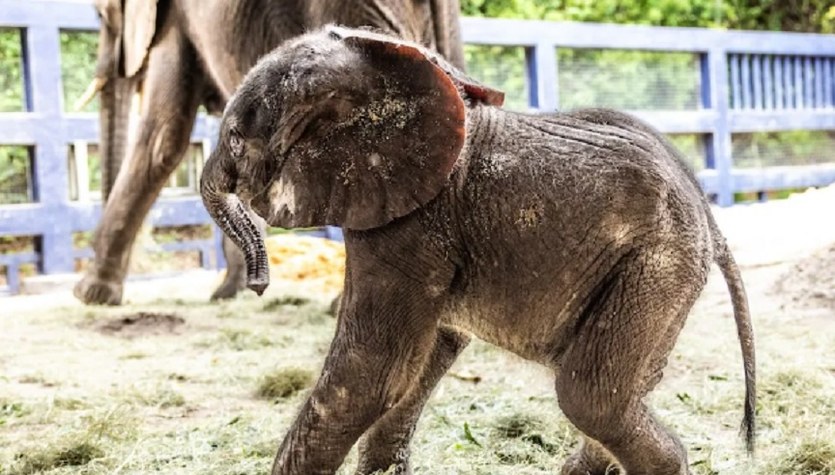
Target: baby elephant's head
{"x": 339, "y": 127}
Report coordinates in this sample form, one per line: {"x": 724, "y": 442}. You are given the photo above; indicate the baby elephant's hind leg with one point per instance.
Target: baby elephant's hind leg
{"x": 616, "y": 359}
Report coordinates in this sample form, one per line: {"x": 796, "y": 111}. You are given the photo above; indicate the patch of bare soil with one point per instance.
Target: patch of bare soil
{"x": 140, "y": 324}
{"x": 810, "y": 283}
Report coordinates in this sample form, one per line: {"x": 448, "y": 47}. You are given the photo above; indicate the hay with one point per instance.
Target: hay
{"x": 42, "y": 460}
{"x": 284, "y": 383}
{"x": 807, "y": 457}
{"x": 297, "y": 258}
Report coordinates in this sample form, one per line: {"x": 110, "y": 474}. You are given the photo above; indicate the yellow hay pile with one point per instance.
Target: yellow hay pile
{"x": 300, "y": 258}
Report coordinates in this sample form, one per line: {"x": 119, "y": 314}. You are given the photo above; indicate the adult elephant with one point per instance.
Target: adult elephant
{"x": 187, "y": 53}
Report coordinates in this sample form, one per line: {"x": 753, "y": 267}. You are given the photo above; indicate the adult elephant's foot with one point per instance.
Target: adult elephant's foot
{"x": 94, "y": 291}
{"x": 335, "y": 303}
{"x": 235, "y": 279}
{"x": 229, "y": 288}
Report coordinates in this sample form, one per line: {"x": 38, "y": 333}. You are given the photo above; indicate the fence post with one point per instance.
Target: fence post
{"x": 543, "y": 91}
{"x": 212, "y": 132}
{"x": 715, "y": 95}
{"x": 82, "y": 170}
{"x": 41, "y": 59}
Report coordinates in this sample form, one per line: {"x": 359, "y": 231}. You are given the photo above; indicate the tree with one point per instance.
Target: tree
{"x": 812, "y": 16}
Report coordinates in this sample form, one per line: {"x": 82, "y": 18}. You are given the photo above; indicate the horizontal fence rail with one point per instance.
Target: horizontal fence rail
{"x": 744, "y": 83}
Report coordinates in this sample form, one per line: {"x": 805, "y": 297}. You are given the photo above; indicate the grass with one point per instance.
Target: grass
{"x": 160, "y": 397}
{"x": 209, "y": 399}
{"x": 66, "y": 452}
{"x": 43, "y": 460}
{"x": 238, "y": 339}
{"x": 808, "y": 457}
{"x": 287, "y": 300}
{"x": 284, "y": 383}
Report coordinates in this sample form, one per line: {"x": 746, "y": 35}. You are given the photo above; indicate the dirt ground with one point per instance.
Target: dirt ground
{"x": 170, "y": 383}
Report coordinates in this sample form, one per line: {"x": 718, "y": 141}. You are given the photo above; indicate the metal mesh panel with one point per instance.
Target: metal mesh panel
{"x": 502, "y": 67}
{"x": 186, "y": 178}
{"x": 632, "y": 80}
{"x": 765, "y": 149}
{"x": 11, "y": 71}
{"x": 78, "y": 66}
{"x": 15, "y": 175}
{"x": 760, "y": 81}
{"x": 85, "y": 178}
{"x": 692, "y": 147}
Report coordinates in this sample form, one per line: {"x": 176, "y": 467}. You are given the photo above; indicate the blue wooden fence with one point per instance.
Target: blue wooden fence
{"x": 750, "y": 82}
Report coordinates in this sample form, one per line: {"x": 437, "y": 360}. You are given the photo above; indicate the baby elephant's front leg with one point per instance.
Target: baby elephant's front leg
{"x": 373, "y": 362}
{"x": 385, "y": 446}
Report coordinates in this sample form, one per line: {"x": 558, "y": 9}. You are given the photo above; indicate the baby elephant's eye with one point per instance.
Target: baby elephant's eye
{"x": 236, "y": 143}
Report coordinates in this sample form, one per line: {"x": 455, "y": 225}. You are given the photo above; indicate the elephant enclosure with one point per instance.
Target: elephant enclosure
{"x": 170, "y": 383}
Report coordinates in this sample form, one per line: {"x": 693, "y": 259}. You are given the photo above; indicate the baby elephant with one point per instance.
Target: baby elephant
{"x": 578, "y": 240}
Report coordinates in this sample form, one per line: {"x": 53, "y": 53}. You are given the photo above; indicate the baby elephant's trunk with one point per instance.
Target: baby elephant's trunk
{"x": 217, "y": 186}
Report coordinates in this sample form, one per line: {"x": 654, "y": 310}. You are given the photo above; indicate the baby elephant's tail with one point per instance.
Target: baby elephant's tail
{"x": 745, "y": 330}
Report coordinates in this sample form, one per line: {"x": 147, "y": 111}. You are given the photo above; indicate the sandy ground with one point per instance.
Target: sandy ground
{"x": 177, "y": 394}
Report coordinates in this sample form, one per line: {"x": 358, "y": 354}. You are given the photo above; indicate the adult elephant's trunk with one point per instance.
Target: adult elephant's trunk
{"x": 217, "y": 186}
{"x": 114, "y": 115}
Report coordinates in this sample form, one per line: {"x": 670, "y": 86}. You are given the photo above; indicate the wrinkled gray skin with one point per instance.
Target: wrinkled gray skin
{"x": 578, "y": 240}
{"x": 184, "y": 53}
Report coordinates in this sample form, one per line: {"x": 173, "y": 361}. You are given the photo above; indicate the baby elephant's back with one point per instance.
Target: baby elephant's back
{"x": 608, "y": 162}
{"x": 574, "y": 182}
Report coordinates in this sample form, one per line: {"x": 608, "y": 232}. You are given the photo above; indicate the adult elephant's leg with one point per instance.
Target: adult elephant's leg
{"x": 386, "y": 444}
{"x": 617, "y": 357}
{"x": 235, "y": 278}
{"x": 172, "y": 88}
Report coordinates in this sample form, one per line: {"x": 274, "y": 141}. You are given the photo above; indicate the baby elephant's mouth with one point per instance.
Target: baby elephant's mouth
{"x": 260, "y": 203}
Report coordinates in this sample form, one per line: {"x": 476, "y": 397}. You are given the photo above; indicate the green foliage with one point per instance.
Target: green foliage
{"x": 790, "y": 15}
{"x": 633, "y": 80}
{"x": 692, "y": 148}
{"x": 797, "y": 147}
{"x": 502, "y": 67}
{"x": 11, "y": 71}
{"x": 78, "y": 66}
{"x": 15, "y": 176}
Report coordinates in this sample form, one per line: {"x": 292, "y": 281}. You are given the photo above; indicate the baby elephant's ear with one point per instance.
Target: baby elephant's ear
{"x": 386, "y": 148}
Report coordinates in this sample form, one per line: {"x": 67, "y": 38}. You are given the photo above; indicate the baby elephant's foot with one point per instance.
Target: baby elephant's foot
{"x": 575, "y": 465}
{"x": 94, "y": 291}
{"x": 590, "y": 459}
{"x": 383, "y": 459}
{"x": 398, "y": 469}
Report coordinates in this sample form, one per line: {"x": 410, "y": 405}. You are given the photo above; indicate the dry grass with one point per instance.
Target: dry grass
{"x": 284, "y": 383}
{"x": 207, "y": 398}
{"x": 809, "y": 457}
